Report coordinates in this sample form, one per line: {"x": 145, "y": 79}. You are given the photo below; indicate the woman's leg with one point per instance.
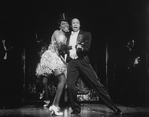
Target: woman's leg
{"x": 60, "y": 87}
{"x": 55, "y": 105}
{"x": 47, "y": 100}
{"x": 45, "y": 83}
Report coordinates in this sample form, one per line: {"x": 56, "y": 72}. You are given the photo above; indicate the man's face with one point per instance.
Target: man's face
{"x": 64, "y": 26}
{"x": 75, "y": 24}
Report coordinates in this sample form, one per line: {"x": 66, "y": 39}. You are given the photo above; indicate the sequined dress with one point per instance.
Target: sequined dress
{"x": 51, "y": 60}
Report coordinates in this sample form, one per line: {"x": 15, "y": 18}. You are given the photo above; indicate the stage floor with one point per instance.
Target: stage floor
{"x": 87, "y": 110}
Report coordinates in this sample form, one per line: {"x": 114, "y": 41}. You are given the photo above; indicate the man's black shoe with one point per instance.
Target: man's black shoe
{"x": 117, "y": 111}
{"x": 75, "y": 112}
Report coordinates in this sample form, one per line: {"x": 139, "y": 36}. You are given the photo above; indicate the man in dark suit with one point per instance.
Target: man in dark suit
{"x": 78, "y": 62}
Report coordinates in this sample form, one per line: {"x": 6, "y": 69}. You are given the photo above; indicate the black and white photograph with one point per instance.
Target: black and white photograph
{"x": 80, "y": 58}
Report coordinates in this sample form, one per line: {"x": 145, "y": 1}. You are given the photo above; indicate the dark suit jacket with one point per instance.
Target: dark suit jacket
{"x": 83, "y": 38}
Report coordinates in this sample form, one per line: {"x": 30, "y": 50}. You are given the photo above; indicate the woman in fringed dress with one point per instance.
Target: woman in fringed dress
{"x": 52, "y": 62}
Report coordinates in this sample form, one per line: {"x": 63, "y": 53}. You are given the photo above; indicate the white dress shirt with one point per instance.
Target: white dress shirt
{"x": 73, "y": 42}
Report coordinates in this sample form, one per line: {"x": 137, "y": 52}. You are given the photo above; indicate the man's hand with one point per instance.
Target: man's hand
{"x": 80, "y": 46}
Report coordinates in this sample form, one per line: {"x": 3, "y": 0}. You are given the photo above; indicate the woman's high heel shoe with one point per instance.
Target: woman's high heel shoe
{"x": 55, "y": 110}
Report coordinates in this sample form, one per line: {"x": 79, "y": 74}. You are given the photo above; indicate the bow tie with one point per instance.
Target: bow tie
{"x": 72, "y": 32}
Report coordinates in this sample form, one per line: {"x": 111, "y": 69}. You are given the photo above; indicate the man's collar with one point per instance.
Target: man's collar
{"x": 72, "y": 32}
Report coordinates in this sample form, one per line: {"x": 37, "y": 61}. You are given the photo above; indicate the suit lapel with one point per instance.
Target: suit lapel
{"x": 79, "y": 37}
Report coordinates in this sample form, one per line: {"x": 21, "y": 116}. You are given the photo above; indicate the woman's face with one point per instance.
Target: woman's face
{"x": 64, "y": 26}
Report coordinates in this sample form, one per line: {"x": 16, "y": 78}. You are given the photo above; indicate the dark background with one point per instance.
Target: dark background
{"x": 112, "y": 24}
